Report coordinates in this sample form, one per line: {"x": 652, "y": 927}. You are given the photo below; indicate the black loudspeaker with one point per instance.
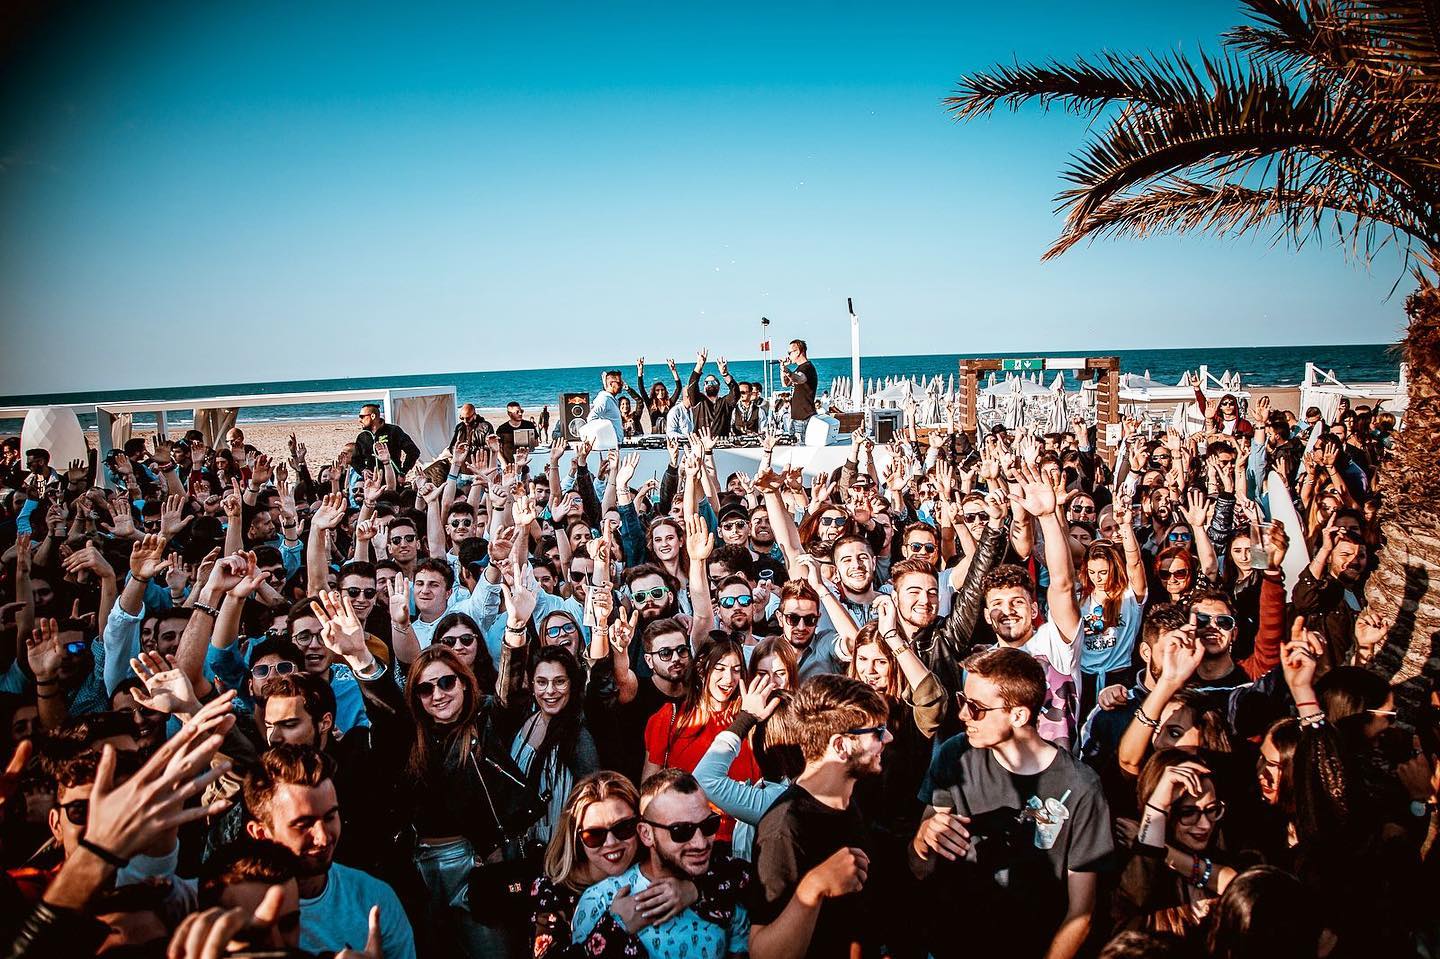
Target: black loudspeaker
{"x": 574, "y": 408}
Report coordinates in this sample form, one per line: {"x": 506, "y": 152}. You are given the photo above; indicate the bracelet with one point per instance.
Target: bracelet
{"x": 1145, "y": 720}
{"x": 1308, "y": 702}
{"x": 1205, "y": 877}
{"x": 514, "y": 629}
{"x": 46, "y": 682}
{"x": 40, "y": 695}
{"x": 208, "y": 610}
{"x": 103, "y": 854}
{"x": 141, "y": 579}
{"x": 1163, "y": 812}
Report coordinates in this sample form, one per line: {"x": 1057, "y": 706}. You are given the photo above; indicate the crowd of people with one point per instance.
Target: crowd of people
{"x": 1012, "y": 693}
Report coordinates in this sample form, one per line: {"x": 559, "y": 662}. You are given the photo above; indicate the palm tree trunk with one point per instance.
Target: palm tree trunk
{"x": 1406, "y": 583}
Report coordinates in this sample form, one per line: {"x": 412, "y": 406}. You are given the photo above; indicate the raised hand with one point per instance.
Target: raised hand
{"x": 523, "y": 511}
{"x": 1371, "y": 628}
{"x": 261, "y": 472}
{"x": 1181, "y": 657}
{"x": 232, "y": 503}
{"x": 1035, "y": 496}
{"x": 122, "y": 519}
{"x": 341, "y": 631}
{"x": 152, "y": 804}
{"x": 42, "y": 650}
{"x": 89, "y": 559}
{"x": 372, "y": 486}
{"x": 147, "y": 557}
{"x": 330, "y": 513}
{"x": 1194, "y": 510}
{"x": 172, "y": 516}
{"x": 399, "y": 600}
{"x": 755, "y": 697}
{"x": 167, "y": 688}
{"x": 699, "y": 541}
{"x": 520, "y": 601}
{"x": 622, "y": 632}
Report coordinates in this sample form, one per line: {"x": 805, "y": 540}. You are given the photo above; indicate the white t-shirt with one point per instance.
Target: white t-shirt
{"x": 1059, "y": 719}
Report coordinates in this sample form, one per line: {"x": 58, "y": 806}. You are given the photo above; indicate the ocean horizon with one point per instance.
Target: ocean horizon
{"x": 1258, "y": 365}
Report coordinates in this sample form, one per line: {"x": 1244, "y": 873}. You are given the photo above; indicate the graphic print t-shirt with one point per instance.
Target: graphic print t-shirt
{"x": 1105, "y": 648}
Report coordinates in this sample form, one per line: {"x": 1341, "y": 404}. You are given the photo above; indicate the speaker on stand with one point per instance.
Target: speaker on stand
{"x": 574, "y": 409}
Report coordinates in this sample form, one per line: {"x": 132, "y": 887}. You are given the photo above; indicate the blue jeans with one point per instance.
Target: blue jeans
{"x": 445, "y": 870}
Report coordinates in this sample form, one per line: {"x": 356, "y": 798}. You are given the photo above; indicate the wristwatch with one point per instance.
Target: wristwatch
{"x": 1420, "y": 809}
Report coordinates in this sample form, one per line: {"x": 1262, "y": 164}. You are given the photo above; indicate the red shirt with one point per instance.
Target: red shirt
{"x": 670, "y": 744}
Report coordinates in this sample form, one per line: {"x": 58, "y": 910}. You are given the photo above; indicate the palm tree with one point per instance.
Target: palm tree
{"x": 1317, "y": 120}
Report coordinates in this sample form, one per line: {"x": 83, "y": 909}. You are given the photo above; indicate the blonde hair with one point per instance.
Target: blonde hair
{"x": 563, "y": 856}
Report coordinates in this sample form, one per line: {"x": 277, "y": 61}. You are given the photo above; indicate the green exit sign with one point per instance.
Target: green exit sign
{"x": 1029, "y": 365}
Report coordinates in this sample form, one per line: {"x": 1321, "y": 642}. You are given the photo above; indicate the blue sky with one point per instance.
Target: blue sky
{"x": 206, "y": 193}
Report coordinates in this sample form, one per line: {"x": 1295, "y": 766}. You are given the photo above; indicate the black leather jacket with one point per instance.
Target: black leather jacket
{"x": 945, "y": 643}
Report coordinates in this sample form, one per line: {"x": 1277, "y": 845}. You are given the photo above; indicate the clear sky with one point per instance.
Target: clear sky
{"x": 209, "y": 193}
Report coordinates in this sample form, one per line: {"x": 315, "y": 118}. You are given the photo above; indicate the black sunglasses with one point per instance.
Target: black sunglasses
{"x": 426, "y": 689}
{"x": 926, "y": 548}
{"x": 685, "y": 831}
{"x": 973, "y": 709}
{"x": 78, "y": 812}
{"x": 355, "y": 592}
{"x": 668, "y": 653}
{"x": 462, "y": 639}
{"x": 1190, "y": 815}
{"x": 594, "y": 837}
{"x": 801, "y": 619}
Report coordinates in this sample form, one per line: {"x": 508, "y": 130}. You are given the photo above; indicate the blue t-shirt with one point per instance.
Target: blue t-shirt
{"x": 1106, "y": 648}
{"x": 686, "y": 936}
{"x": 339, "y": 918}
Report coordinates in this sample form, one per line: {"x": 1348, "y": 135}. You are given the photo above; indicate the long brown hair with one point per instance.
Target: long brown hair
{"x": 869, "y": 635}
{"x": 695, "y": 710}
{"x": 1119, "y": 581}
{"x": 563, "y": 857}
{"x": 458, "y": 738}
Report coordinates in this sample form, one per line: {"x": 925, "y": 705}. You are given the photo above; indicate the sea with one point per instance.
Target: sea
{"x": 534, "y": 389}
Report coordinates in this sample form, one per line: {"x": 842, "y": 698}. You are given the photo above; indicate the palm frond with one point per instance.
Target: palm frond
{"x": 1401, "y": 34}
{"x": 1303, "y": 35}
{"x": 1247, "y": 115}
{"x": 1181, "y": 205}
{"x": 1081, "y": 87}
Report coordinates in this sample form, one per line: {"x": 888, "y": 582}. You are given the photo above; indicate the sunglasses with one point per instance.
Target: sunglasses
{"x": 656, "y": 593}
{"x": 78, "y": 812}
{"x": 427, "y": 688}
{"x": 406, "y": 538}
{"x": 461, "y": 639}
{"x": 684, "y": 831}
{"x": 76, "y": 648}
{"x": 926, "y": 548}
{"x": 578, "y": 576}
{"x": 1222, "y": 621}
{"x": 730, "y": 602}
{"x": 971, "y": 518}
{"x": 832, "y": 521}
{"x": 1175, "y": 574}
{"x": 801, "y": 619}
{"x": 623, "y": 831}
{"x": 1082, "y": 509}
{"x": 734, "y": 525}
{"x": 355, "y": 592}
{"x": 1179, "y": 537}
{"x": 877, "y": 731}
{"x": 973, "y": 710}
{"x": 461, "y": 523}
{"x": 667, "y": 653}
{"x": 1190, "y": 815}
{"x": 282, "y": 668}
{"x": 564, "y": 629}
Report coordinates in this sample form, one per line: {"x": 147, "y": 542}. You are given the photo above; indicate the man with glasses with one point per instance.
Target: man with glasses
{"x": 606, "y": 407}
{"x": 403, "y": 538}
{"x": 799, "y": 619}
{"x": 1213, "y": 617}
{"x": 803, "y": 382}
{"x": 709, "y": 410}
{"x": 619, "y": 703}
{"x": 677, "y": 834}
{"x": 1015, "y": 829}
{"x": 514, "y": 420}
{"x": 373, "y": 429}
{"x": 735, "y": 611}
{"x": 319, "y": 661}
{"x": 812, "y": 847}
